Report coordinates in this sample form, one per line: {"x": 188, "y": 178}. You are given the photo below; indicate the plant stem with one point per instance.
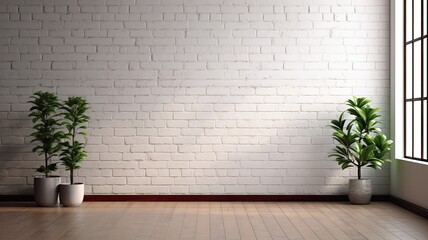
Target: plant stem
{"x": 71, "y": 177}
{"x": 359, "y": 171}
{"x": 72, "y": 153}
{"x": 44, "y": 143}
{"x": 46, "y": 164}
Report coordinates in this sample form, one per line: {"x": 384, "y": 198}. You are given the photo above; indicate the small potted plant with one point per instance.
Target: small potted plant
{"x": 47, "y": 134}
{"x": 360, "y": 143}
{"x": 73, "y": 151}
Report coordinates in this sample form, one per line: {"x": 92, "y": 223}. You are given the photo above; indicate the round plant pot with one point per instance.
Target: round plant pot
{"x": 71, "y": 195}
{"x": 360, "y": 191}
{"x": 46, "y": 191}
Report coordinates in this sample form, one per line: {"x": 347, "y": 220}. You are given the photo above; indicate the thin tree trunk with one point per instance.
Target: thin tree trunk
{"x": 71, "y": 177}
{"x": 46, "y": 164}
{"x": 359, "y": 171}
{"x": 72, "y": 154}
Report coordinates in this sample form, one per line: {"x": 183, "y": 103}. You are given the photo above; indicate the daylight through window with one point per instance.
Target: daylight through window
{"x": 415, "y": 79}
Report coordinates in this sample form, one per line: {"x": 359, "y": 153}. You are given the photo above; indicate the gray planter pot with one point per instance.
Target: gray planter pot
{"x": 71, "y": 195}
{"x": 46, "y": 191}
{"x": 360, "y": 191}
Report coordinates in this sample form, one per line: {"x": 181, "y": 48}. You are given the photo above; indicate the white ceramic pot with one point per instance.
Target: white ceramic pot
{"x": 46, "y": 191}
{"x": 71, "y": 195}
{"x": 360, "y": 191}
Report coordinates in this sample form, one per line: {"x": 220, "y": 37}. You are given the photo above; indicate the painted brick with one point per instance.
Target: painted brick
{"x": 197, "y": 97}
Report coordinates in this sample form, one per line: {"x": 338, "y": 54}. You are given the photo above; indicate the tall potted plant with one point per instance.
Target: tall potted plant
{"x": 47, "y": 134}
{"x": 360, "y": 143}
{"x": 73, "y": 151}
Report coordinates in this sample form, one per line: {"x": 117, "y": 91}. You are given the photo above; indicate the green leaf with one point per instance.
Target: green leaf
{"x": 75, "y": 122}
{"x": 359, "y": 141}
{"x": 44, "y": 108}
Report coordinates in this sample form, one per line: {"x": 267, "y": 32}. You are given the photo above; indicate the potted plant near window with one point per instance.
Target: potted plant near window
{"x": 47, "y": 135}
{"x": 73, "y": 151}
{"x": 360, "y": 143}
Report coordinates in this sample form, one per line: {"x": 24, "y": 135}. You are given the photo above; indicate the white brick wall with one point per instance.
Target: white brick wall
{"x": 195, "y": 97}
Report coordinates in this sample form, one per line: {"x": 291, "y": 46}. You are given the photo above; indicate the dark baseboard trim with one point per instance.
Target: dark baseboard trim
{"x": 223, "y": 198}
{"x": 200, "y": 198}
{"x": 410, "y": 206}
{"x": 215, "y": 198}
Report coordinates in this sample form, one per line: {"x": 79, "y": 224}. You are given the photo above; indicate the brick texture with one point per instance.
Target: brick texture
{"x": 195, "y": 97}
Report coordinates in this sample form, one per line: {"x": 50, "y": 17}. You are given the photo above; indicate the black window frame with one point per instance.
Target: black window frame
{"x": 423, "y": 99}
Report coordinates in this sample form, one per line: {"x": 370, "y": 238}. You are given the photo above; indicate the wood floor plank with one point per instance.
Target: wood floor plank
{"x": 272, "y": 225}
{"x": 331, "y": 227}
{"x": 357, "y": 223}
{"x": 138, "y": 221}
{"x": 314, "y": 224}
{"x": 95, "y": 221}
{"x": 287, "y": 226}
{"x": 416, "y": 226}
{"x": 259, "y": 226}
{"x": 202, "y": 231}
{"x": 298, "y": 222}
{"x": 49, "y": 221}
{"x": 212, "y": 220}
{"x": 216, "y": 222}
{"x": 411, "y": 229}
{"x": 166, "y": 214}
{"x": 386, "y": 227}
{"x": 246, "y": 231}
{"x": 176, "y": 222}
{"x": 231, "y": 229}
{"x": 188, "y": 228}
{"x": 372, "y": 222}
{"x": 341, "y": 221}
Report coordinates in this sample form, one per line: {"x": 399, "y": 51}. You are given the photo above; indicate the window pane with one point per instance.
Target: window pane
{"x": 418, "y": 129}
{"x": 418, "y": 18}
{"x": 409, "y": 85}
{"x": 409, "y": 20}
{"x": 408, "y": 127}
{"x": 417, "y": 63}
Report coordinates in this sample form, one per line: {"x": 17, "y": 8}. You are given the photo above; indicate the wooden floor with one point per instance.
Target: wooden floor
{"x": 211, "y": 220}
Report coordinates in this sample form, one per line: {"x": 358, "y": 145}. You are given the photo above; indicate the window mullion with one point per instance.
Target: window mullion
{"x": 422, "y": 79}
{"x": 404, "y": 79}
{"x": 413, "y": 79}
